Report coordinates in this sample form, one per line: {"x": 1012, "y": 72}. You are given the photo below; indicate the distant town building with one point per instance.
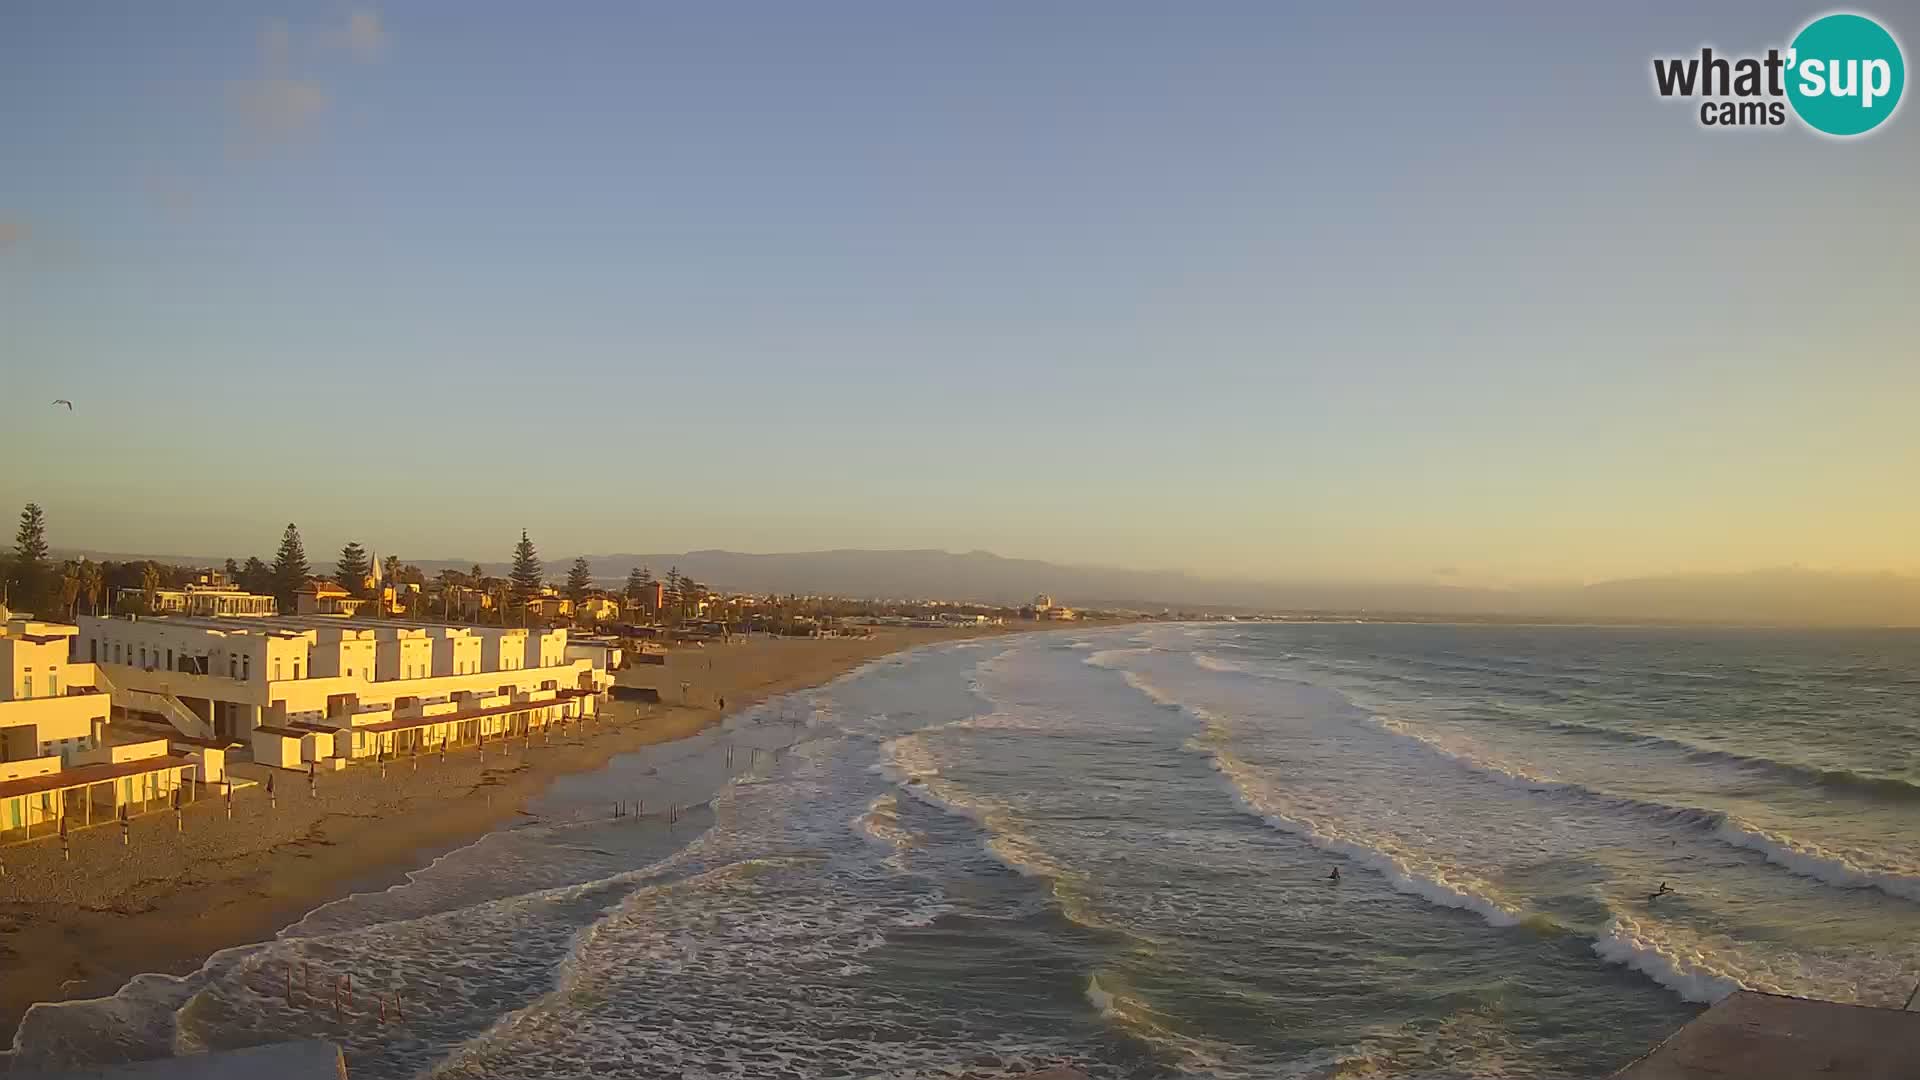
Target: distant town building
{"x": 206, "y": 597}
{"x": 322, "y": 597}
{"x": 1045, "y": 609}
{"x": 598, "y": 608}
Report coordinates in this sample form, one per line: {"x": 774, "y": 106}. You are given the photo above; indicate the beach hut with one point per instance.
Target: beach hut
{"x": 280, "y": 747}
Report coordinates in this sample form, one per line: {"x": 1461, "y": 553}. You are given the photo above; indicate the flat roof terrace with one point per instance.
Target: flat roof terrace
{"x": 1755, "y": 1036}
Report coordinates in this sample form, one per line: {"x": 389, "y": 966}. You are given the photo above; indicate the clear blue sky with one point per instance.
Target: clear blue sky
{"x": 1238, "y": 288}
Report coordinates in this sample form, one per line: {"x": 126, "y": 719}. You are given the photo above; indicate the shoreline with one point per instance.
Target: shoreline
{"x": 171, "y": 899}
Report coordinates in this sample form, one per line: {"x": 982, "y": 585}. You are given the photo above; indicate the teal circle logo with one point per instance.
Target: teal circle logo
{"x": 1845, "y": 74}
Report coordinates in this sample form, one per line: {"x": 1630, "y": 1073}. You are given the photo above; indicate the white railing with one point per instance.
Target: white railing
{"x": 183, "y": 719}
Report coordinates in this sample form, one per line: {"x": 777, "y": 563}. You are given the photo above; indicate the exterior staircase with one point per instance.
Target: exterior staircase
{"x": 163, "y": 705}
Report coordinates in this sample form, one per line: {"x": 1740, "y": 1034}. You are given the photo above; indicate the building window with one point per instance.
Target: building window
{"x": 53, "y": 684}
{"x": 169, "y": 659}
{"x": 296, "y": 669}
{"x": 143, "y": 656}
{"x": 276, "y": 671}
{"x": 246, "y": 667}
{"x": 233, "y": 667}
{"x": 27, "y": 685}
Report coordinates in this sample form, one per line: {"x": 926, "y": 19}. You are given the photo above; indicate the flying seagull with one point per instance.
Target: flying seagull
{"x": 64, "y": 401}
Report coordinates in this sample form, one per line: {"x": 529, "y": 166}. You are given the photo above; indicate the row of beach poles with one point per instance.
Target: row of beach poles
{"x": 638, "y": 809}
{"x": 340, "y": 1001}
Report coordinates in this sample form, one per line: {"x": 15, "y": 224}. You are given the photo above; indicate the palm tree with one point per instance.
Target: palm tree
{"x": 93, "y": 583}
{"x": 150, "y": 585}
{"x": 70, "y": 585}
{"x": 448, "y": 581}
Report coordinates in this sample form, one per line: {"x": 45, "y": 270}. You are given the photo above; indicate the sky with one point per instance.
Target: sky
{"x": 1249, "y": 290}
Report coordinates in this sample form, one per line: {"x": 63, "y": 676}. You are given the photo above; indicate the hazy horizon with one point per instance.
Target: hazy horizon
{"x": 1385, "y": 296}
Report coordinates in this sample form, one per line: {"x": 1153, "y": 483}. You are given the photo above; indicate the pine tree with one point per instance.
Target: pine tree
{"x": 526, "y": 569}
{"x": 30, "y": 575}
{"x": 350, "y": 570}
{"x": 579, "y": 579}
{"x": 675, "y": 583}
{"x": 290, "y": 569}
{"x": 636, "y": 585}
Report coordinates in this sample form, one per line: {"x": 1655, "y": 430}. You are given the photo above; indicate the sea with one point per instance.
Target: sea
{"x": 1210, "y": 850}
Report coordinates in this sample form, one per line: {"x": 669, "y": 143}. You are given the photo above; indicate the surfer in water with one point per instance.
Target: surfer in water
{"x": 1334, "y": 876}
{"x": 1663, "y": 890}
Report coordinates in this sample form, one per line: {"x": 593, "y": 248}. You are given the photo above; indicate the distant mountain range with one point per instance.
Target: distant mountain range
{"x": 1790, "y": 595}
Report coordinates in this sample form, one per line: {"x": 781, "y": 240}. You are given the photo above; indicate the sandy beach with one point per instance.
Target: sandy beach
{"x": 169, "y": 899}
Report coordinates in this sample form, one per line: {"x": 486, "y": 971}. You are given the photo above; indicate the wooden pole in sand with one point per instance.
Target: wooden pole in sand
{"x": 272, "y": 802}
{"x": 179, "y": 825}
{"x": 229, "y": 798}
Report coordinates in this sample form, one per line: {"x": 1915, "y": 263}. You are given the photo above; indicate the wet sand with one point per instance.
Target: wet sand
{"x": 169, "y": 899}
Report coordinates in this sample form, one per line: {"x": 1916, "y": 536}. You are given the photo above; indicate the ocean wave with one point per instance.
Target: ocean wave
{"x": 1687, "y": 972}
{"x": 1125, "y": 1011}
{"x": 1210, "y": 662}
{"x": 1834, "y": 779}
{"x": 1445, "y": 887}
{"x": 880, "y": 824}
{"x": 1110, "y": 658}
{"x": 1694, "y": 971}
{"x": 1847, "y": 868}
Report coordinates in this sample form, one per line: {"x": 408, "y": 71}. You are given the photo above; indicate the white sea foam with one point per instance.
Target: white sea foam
{"x": 1847, "y": 870}
{"x": 1210, "y": 662}
{"x": 1472, "y": 757}
{"x": 1101, "y": 1000}
{"x": 1445, "y": 886}
{"x": 1686, "y": 972}
{"x": 880, "y": 824}
{"x": 1109, "y": 658}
